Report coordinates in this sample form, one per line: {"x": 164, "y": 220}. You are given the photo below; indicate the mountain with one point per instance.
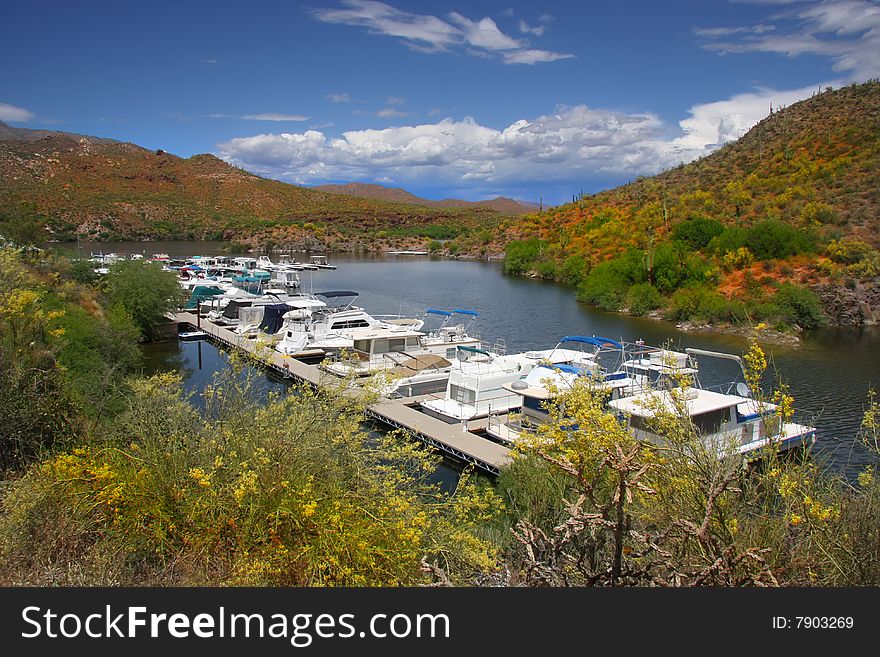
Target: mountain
{"x": 398, "y": 195}
{"x": 760, "y": 231}
{"x": 105, "y": 189}
{"x": 813, "y": 164}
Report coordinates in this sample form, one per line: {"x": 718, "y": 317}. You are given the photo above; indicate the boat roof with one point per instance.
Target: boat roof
{"x": 594, "y": 340}
{"x": 333, "y": 294}
{"x": 697, "y": 400}
{"x": 382, "y": 332}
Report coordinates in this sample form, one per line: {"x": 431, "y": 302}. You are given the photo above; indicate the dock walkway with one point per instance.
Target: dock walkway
{"x": 452, "y": 439}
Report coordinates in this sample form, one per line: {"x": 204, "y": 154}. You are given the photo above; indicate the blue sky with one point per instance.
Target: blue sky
{"x": 471, "y": 100}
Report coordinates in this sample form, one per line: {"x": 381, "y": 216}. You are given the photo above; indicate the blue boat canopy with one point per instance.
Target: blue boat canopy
{"x": 246, "y": 279}
{"x": 562, "y": 367}
{"x": 459, "y": 311}
{"x": 434, "y": 311}
{"x": 593, "y": 340}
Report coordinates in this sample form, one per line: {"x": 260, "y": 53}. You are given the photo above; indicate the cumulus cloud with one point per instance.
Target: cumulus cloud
{"x": 713, "y": 124}
{"x": 573, "y": 143}
{"x": 339, "y": 98}
{"x": 389, "y": 112}
{"x": 427, "y": 33}
{"x": 13, "y": 113}
{"x": 847, "y": 31}
{"x": 395, "y": 100}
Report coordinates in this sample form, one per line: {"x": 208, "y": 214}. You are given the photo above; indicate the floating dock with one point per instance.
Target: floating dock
{"x": 451, "y": 439}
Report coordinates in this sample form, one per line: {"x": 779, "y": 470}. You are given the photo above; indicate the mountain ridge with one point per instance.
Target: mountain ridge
{"x": 400, "y": 195}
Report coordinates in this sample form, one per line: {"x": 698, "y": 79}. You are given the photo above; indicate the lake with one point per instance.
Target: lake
{"x": 829, "y": 373}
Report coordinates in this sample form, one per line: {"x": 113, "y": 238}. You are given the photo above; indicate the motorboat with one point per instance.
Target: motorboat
{"x": 481, "y": 386}
{"x": 328, "y": 327}
{"x": 320, "y": 261}
{"x": 724, "y": 422}
{"x": 445, "y": 338}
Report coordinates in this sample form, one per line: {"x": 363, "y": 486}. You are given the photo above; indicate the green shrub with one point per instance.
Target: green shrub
{"x": 732, "y": 239}
{"x": 604, "y": 287}
{"x": 798, "y": 305}
{"x": 573, "y": 270}
{"x": 520, "y": 255}
{"x": 696, "y": 232}
{"x": 546, "y": 269}
{"x": 643, "y": 298}
{"x": 771, "y": 239}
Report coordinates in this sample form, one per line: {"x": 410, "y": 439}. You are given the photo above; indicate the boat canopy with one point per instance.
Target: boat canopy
{"x": 337, "y": 293}
{"x": 201, "y": 293}
{"x": 564, "y": 367}
{"x": 246, "y": 279}
{"x": 232, "y": 308}
{"x": 434, "y": 311}
{"x": 593, "y": 340}
{"x": 459, "y": 311}
{"x": 273, "y": 317}
{"x": 473, "y": 350}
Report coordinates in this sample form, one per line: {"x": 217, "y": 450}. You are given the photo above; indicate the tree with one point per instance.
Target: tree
{"x": 145, "y": 291}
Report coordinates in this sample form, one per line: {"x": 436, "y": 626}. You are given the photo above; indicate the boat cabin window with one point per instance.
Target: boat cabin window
{"x": 712, "y": 421}
{"x": 412, "y": 342}
{"x": 462, "y": 395}
{"x": 450, "y": 353}
{"x": 362, "y": 345}
{"x": 350, "y": 323}
{"x": 533, "y": 403}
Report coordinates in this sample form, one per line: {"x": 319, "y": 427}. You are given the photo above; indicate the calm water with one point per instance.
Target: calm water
{"x": 829, "y": 373}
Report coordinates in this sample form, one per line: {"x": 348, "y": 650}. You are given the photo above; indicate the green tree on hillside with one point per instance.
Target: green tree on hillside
{"x": 145, "y": 291}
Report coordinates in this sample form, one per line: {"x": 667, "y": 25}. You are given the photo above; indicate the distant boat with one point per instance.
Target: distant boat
{"x": 320, "y": 261}
{"x": 192, "y": 335}
{"x": 411, "y": 253}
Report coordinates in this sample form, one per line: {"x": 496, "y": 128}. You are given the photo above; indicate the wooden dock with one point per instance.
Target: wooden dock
{"x": 452, "y": 439}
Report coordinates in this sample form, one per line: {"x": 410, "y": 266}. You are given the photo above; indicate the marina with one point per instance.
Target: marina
{"x": 451, "y": 439}
{"x": 526, "y": 313}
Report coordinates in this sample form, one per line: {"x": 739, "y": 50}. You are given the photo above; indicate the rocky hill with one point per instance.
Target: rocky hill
{"x": 795, "y": 201}
{"x": 104, "y": 189}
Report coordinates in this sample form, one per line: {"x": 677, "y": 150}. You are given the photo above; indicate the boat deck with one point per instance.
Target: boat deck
{"x": 453, "y": 439}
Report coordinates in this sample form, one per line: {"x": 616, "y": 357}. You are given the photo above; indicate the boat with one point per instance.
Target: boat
{"x": 192, "y": 335}
{"x": 480, "y": 386}
{"x": 375, "y": 349}
{"x": 723, "y": 421}
{"x": 320, "y": 261}
{"x": 326, "y": 328}
{"x": 406, "y": 253}
{"x": 623, "y": 369}
{"x": 445, "y": 338}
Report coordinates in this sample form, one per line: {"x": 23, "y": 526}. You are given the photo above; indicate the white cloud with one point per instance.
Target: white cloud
{"x": 389, "y": 112}
{"x": 484, "y": 33}
{"x": 525, "y": 28}
{"x": 573, "y": 143}
{"x": 430, "y": 34}
{"x": 847, "y": 31}
{"x": 713, "y": 124}
{"x": 339, "y": 98}
{"x": 13, "y": 113}
{"x": 271, "y": 116}
{"x": 209, "y": 61}
{"x": 533, "y": 56}
{"x": 395, "y": 100}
